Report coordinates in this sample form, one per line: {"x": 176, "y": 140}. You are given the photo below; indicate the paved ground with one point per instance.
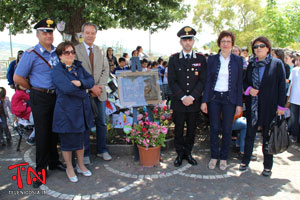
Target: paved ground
{"x": 124, "y": 179}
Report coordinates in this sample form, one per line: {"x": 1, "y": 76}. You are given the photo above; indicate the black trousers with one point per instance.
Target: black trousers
{"x": 42, "y": 106}
{"x": 249, "y": 144}
{"x": 184, "y": 145}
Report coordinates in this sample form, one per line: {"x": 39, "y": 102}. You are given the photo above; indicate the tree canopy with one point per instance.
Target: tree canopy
{"x": 19, "y": 15}
{"x": 240, "y": 16}
{"x": 249, "y": 19}
{"x": 282, "y": 24}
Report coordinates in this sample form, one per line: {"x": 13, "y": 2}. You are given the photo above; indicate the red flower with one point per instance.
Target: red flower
{"x": 144, "y": 129}
{"x": 165, "y": 108}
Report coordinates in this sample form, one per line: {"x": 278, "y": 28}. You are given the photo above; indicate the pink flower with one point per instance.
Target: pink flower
{"x": 164, "y": 130}
{"x": 146, "y": 114}
{"x": 162, "y": 117}
{"x": 127, "y": 140}
{"x": 140, "y": 117}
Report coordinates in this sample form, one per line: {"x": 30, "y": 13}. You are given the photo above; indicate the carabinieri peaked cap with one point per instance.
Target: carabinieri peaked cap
{"x": 46, "y": 25}
{"x": 186, "y": 32}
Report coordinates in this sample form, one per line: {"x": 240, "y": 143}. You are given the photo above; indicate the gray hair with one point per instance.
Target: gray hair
{"x": 88, "y": 24}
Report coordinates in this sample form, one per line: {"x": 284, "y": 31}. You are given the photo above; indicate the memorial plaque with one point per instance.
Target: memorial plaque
{"x": 138, "y": 88}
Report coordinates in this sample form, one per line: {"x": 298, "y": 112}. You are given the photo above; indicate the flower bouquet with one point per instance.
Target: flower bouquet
{"x": 146, "y": 134}
{"x": 149, "y": 137}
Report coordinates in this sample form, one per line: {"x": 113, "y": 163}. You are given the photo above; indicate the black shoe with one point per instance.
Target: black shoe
{"x": 253, "y": 158}
{"x": 37, "y": 184}
{"x": 191, "y": 160}
{"x": 178, "y": 161}
{"x": 266, "y": 173}
{"x": 243, "y": 167}
{"x": 59, "y": 166}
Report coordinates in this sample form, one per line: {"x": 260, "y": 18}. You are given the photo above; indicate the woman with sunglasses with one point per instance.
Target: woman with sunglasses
{"x": 264, "y": 87}
{"x": 72, "y": 113}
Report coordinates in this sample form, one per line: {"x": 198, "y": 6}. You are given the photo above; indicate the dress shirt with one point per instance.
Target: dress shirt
{"x": 223, "y": 76}
{"x": 87, "y": 48}
{"x": 184, "y": 54}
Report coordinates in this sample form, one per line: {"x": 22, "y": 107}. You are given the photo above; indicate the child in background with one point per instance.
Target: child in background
{"x": 4, "y": 105}
{"x": 20, "y": 108}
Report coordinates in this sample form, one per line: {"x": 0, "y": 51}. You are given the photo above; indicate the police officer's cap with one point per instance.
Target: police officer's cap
{"x": 45, "y": 25}
{"x": 186, "y": 32}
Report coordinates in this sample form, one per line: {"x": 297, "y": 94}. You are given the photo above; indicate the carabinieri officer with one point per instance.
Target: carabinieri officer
{"x": 34, "y": 73}
{"x": 186, "y": 79}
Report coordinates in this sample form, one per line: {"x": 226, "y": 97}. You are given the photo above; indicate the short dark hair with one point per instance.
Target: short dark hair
{"x": 264, "y": 40}
{"x": 133, "y": 52}
{"x": 226, "y": 34}
{"x": 291, "y": 55}
{"x": 154, "y": 63}
{"x": 2, "y": 92}
{"x": 88, "y": 24}
{"x": 138, "y": 48}
{"x": 122, "y": 59}
{"x": 144, "y": 61}
{"x": 62, "y": 47}
{"x": 245, "y": 49}
{"x": 159, "y": 60}
{"x": 279, "y": 53}
{"x": 165, "y": 63}
{"x": 125, "y": 55}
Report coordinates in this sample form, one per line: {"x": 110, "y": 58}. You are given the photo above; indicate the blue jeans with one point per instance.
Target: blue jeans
{"x": 100, "y": 131}
{"x": 241, "y": 125}
{"x": 220, "y": 105}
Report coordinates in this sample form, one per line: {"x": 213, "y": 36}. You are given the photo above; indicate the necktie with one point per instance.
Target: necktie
{"x": 188, "y": 56}
{"x": 91, "y": 57}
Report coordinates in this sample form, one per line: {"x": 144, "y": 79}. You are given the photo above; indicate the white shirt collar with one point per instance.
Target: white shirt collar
{"x": 87, "y": 46}
{"x": 184, "y": 54}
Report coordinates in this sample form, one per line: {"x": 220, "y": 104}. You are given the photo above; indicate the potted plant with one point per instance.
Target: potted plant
{"x": 149, "y": 137}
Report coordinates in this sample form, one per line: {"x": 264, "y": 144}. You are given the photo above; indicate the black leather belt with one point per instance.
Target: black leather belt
{"x": 47, "y": 91}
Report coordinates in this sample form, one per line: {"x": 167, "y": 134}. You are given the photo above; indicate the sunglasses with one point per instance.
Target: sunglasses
{"x": 259, "y": 45}
{"x": 67, "y": 53}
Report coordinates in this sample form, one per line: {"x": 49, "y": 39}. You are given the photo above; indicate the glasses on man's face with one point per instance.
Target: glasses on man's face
{"x": 67, "y": 53}
{"x": 259, "y": 45}
{"x": 226, "y": 41}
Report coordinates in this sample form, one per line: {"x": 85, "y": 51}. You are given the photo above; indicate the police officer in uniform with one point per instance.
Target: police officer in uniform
{"x": 36, "y": 65}
{"x": 186, "y": 79}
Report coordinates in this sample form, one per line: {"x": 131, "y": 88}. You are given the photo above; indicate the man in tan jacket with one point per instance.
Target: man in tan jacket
{"x": 94, "y": 60}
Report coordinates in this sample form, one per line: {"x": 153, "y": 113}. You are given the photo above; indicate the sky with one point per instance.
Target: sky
{"x": 163, "y": 42}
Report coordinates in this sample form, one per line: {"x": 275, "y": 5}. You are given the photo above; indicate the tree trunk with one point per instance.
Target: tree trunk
{"x": 75, "y": 23}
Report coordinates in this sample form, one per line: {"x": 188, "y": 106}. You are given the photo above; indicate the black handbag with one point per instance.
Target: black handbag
{"x": 94, "y": 106}
{"x": 279, "y": 139}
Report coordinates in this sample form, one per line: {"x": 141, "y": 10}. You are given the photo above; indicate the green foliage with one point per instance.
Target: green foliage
{"x": 20, "y": 15}
{"x": 240, "y": 16}
{"x": 282, "y": 26}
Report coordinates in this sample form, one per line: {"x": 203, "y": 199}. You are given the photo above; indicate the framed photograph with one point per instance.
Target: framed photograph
{"x": 138, "y": 88}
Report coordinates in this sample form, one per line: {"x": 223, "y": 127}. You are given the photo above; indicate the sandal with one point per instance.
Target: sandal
{"x": 212, "y": 163}
{"x": 223, "y": 165}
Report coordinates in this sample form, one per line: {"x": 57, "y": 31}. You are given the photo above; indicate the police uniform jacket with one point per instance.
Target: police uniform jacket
{"x": 186, "y": 77}
{"x": 72, "y": 113}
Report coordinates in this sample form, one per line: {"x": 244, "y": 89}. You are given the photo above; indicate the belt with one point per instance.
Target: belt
{"x": 221, "y": 93}
{"x": 47, "y": 91}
